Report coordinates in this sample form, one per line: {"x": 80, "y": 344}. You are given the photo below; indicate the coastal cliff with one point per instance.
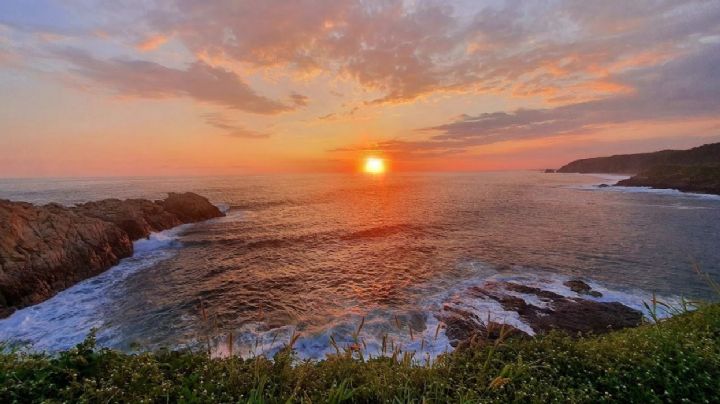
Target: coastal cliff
{"x": 708, "y": 154}
{"x": 694, "y": 170}
{"x": 702, "y": 179}
{"x": 45, "y": 249}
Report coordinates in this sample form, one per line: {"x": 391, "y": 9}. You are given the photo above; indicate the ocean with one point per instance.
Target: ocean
{"x": 317, "y": 255}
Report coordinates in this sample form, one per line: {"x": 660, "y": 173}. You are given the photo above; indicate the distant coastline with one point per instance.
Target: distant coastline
{"x": 694, "y": 170}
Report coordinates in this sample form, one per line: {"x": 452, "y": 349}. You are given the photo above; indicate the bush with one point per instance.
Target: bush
{"x": 674, "y": 360}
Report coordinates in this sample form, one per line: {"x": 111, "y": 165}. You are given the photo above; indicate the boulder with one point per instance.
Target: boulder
{"x": 190, "y": 207}
{"x": 581, "y": 288}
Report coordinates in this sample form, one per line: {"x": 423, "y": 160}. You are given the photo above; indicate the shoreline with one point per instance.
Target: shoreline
{"x": 45, "y": 249}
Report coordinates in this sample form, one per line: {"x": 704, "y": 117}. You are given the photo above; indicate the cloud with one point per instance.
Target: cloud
{"x": 680, "y": 89}
{"x": 152, "y": 42}
{"x": 232, "y": 129}
{"x": 407, "y": 50}
{"x": 199, "y": 81}
{"x": 299, "y": 99}
{"x": 562, "y": 51}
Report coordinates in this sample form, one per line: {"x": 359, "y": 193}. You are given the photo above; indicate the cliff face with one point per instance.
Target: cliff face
{"x": 708, "y": 154}
{"x": 45, "y": 249}
{"x": 703, "y": 179}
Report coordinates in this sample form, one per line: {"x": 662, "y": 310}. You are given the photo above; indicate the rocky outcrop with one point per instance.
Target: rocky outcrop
{"x": 189, "y": 207}
{"x": 49, "y": 248}
{"x": 573, "y": 315}
{"x": 45, "y": 249}
{"x": 581, "y": 288}
{"x": 137, "y": 217}
{"x": 701, "y": 179}
{"x": 708, "y": 154}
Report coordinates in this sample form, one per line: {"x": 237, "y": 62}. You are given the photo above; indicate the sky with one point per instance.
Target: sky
{"x": 225, "y": 87}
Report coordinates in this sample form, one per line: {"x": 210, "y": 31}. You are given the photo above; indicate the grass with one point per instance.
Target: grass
{"x": 672, "y": 360}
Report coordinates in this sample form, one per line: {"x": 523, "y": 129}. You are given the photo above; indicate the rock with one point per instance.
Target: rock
{"x": 587, "y": 317}
{"x": 572, "y": 315}
{"x": 190, "y": 207}
{"x": 581, "y": 288}
{"x": 463, "y": 326}
{"x": 45, "y": 249}
{"x": 694, "y": 178}
{"x": 705, "y": 155}
{"x": 544, "y": 294}
{"x": 549, "y": 171}
{"x": 138, "y": 217}
{"x": 604, "y": 186}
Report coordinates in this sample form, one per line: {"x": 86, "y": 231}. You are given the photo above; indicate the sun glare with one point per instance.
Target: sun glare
{"x": 374, "y": 165}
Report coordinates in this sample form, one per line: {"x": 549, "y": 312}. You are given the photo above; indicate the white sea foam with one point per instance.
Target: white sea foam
{"x": 656, "y": 191}
{"x": 254, "y": 339}
{"x": 608, "y": 177}
{"x": 65, "y": 319}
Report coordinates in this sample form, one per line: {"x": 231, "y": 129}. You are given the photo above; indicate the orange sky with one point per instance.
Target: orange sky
{"x": 140, "y": 88}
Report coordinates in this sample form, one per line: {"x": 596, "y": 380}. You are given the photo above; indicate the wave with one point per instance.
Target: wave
{"x": 662, "y": 191}
{"x": 645, "y": 190}
{"x": 380, "y": 231}
{"x": 65, "y": 319}
{"x": 391, "y": 328}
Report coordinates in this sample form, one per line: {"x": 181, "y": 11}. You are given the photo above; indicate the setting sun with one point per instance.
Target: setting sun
{"x": 374, "y": 165}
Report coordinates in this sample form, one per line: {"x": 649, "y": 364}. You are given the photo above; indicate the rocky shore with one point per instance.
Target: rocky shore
{"x": 700, "y": 179}
{"x": 539, "y": 310}
{"x": 45, "y": 249}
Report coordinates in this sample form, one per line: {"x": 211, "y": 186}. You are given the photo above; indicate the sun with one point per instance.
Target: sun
{"x": 374, "y": 165}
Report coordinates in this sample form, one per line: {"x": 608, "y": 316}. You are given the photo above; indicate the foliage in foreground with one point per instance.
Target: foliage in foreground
{"x": 675, "y": 360}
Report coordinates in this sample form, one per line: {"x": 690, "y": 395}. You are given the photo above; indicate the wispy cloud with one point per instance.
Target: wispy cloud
{"x": 152, "y": 42}
{"x": 199, "y": 81}
{"x": 687, "y": 88}
{"x": 407, "y": 50}
{"x": 232, "y": 129}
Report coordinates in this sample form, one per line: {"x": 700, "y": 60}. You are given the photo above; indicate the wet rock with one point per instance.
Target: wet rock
{"x": 528, "y": 290}
{"x": 581, "y": 288}
{"x": 587, "y": 317}
{"x": 603, "y": 185}
{"x": 45, "y": 249}
{"x": 558, "y": 313}
{"x": 463, "y": 326}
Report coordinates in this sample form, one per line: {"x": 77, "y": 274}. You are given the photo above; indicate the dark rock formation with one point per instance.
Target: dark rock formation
{"x": 581, "y": 288}
{"x": 463, "y": 326}
{"x": 572, "y": 315}
{"x": 45, "y": 249}
{"x": 702, "y": 179}
{"x": 708, "y": 154}
{"x": 549, "y": 170}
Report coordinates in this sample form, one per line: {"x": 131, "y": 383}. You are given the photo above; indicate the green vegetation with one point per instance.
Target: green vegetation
{"x": 673, "y": 360}
{"x": 698, "y": 178}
